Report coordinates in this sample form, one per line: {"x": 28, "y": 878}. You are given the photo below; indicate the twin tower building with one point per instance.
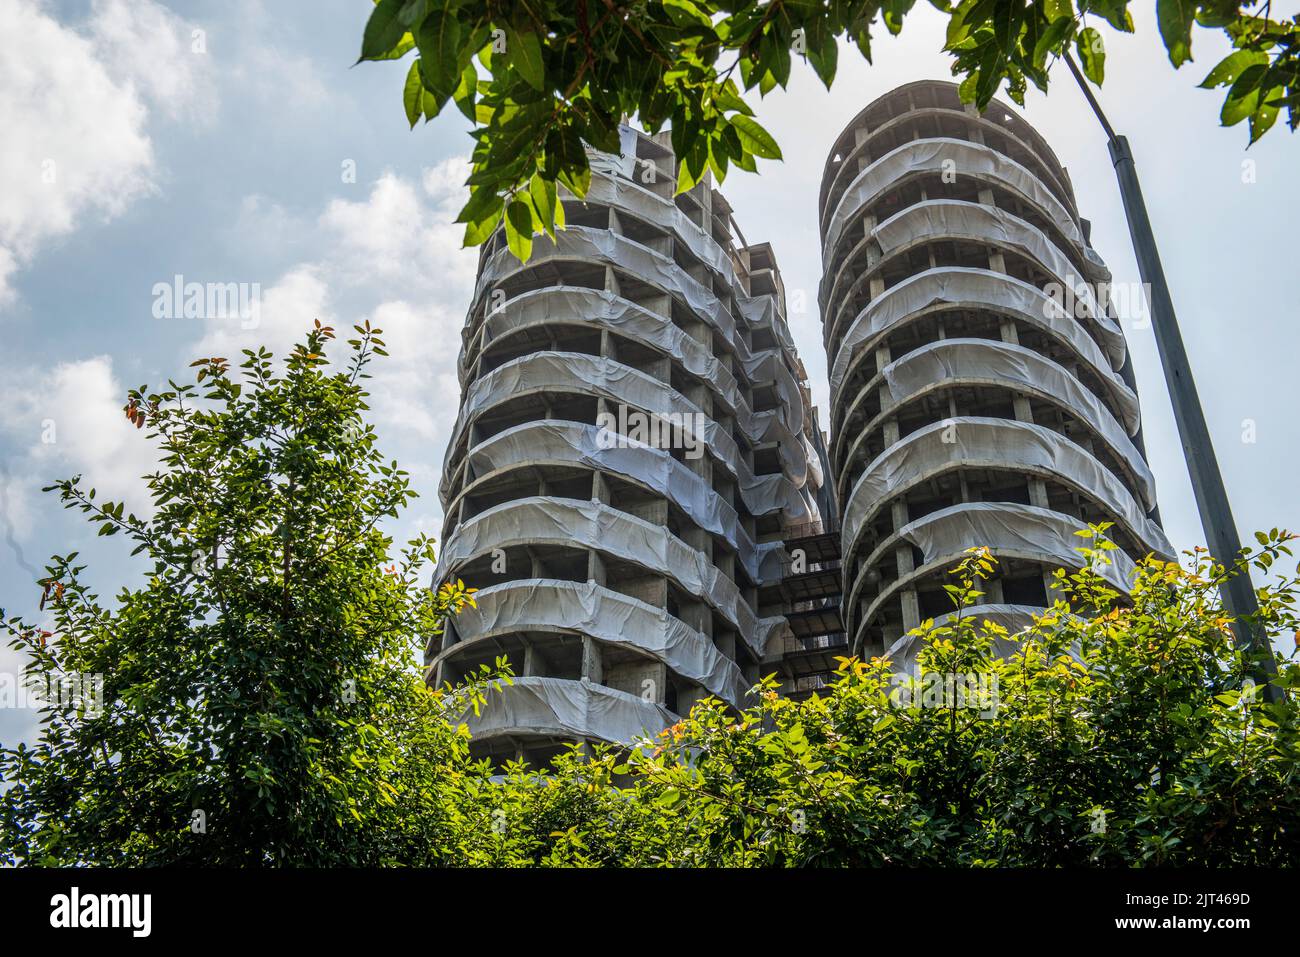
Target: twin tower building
{"x": 638, "y": 484}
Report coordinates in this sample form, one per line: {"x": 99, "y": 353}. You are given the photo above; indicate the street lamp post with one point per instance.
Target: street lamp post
{"x": 1207, "y": 482}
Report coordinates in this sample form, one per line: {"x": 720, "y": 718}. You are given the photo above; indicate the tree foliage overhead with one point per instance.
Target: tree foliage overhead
{"x": 539, "y": 78}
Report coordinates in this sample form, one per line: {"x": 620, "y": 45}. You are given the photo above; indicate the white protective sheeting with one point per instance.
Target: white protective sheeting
{"x": 978, "y": 361}
{"x": 1008, "y": 530}
{"x": 600, "y": 376}
{"x": 769, "y": 426}
{"x": 563, "y": 708}
{"x": 541, "y": 308}
{"x": 601, "y": 246}
{"x": 966, "y": 288}
{"x": 631, "y": 196}
{"x": 972, "y": 160}
{"x": 1011, "y": 529}
{"x": 576, "y": 443}
{"x": 1056, "y": 183}
{"x": 586, "y": 608}
{"x": 986, "y": 443}
{"x": 954, "y": 219}
{"x": 539, "y": 520}
{"x": 1014, "y": 618}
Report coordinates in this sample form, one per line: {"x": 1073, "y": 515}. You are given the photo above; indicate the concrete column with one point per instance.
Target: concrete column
{"x": 905, "y": 564}
{"x": 595, "y": 567}
{"x": 600, "y": 491}
{"x": 593, "y": 664}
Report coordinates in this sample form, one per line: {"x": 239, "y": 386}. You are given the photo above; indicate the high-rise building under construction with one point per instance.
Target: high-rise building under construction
{"x": 638, "y": 483}
{"x": 635, "y": 442}
{"x": 981, "y": 388}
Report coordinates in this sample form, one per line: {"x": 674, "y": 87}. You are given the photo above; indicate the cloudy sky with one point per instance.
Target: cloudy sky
{"x": 232, "y": 142}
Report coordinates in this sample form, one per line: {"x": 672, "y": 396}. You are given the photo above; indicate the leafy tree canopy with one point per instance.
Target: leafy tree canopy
{"x": 261, "y": 705}
{"x": 1123, "y": 738}
{"x": 538, "y": 79}
{"x": 260, "y": 702}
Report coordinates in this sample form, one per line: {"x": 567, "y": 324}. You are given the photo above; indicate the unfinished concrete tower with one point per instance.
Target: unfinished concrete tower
{"x": 981, "y": 393}
{"x": 634, "y": 442}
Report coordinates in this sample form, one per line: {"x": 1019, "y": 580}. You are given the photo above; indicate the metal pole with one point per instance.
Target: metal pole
{"x": 1207, "y": 482}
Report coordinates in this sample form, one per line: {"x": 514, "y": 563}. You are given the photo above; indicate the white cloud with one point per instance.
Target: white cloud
{"x": 393, "y": 258}
{"x": 399, "y": 235}
{"x": 70, "y": 421}
{"x": 287, "y": 310}
{"x": 74, "y": 107}
{"x": 416, "y": 390}
{"x": 149, "y": 48}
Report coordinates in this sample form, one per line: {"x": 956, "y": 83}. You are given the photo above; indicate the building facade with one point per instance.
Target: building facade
{"x": 638, "y": 484}
{"x": 635, "y": 443}
{"x": 981, "y": 389}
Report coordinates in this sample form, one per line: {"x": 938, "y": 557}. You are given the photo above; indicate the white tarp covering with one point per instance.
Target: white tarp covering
{"x": 1014, "y": 618}
{"x": 601, "y": 246}
{"x": 539, "y": 520}
{"x": 577, "y": 443}
{"x": 976, "y": 443}
{"x": 779, "y": 424}
{"x": 608, "y": 616}
{"x": 601, "y": 376}
{"x": 968, "y": 159}
{"x": 631, "y": 196}
{"x": 954, "y": 219}
{"x": 965, "y": 288}
{"x": 973, "y": 361}
{"x": 1006, "y": 529}
{"x": 1025, "y": 530}
{"x": 565, "y": 708}
{"x": 539, "y": 308}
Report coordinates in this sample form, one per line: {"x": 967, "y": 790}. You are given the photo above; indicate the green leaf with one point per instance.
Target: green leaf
{"x": 412, "y": 94}
{"x": 670, "y": 798}
{"x": 384, "y": 30}
{"x": 690, "y": 170}
{"x": 1092, "y": 54}
{"x": 404, "y": 46}
{"x": 755, "y": 139}
{"x": 684, "y": 13}
{"x": 1263, "y": 117}
{"x": 439, "y": 41}
{"x": 1227, "y": 70}
{"x": 478, "y": 230}
{"x": 519, "y": 229}
{"x": 542, "y": 192}
{"x": 1051, "y": 39}
{"x": 1244, "y": 96}
{"x": 1053, "y": 10}
{"x": 483, "y": 201}
{"x": 726, "y": 97}
{"x": 525, "y": 53}
{"x": 466, "y": 91}
{"x": 1175, "y": 18}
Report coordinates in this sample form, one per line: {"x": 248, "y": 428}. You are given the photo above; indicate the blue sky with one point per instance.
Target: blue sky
{"x": 136, "y": 149}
